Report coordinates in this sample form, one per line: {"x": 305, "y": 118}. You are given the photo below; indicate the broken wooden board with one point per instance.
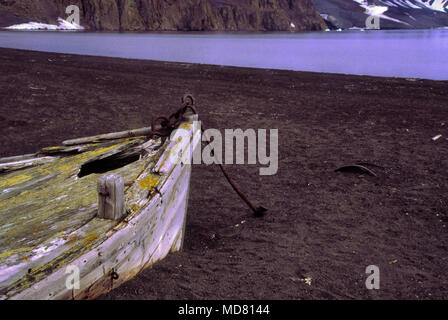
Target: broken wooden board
{"x": 18, "y": 158}
{"x": 39, "y": 239}
{"x": 109, "y": 136}
{"x": 25, "y": 163}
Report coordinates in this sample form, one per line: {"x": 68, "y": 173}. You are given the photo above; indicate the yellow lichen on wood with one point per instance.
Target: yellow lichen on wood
{"x": 14, "y": 179}
{"x": 30, "y": 216}
{"x": 10, "y": 253}
{"x": 149, "y": 182}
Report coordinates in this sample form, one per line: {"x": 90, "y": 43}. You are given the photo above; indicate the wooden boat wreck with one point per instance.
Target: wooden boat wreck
{"x": 103, "y": 208}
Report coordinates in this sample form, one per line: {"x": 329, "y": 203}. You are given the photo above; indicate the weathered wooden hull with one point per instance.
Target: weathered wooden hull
{"x": 155, "y": 226}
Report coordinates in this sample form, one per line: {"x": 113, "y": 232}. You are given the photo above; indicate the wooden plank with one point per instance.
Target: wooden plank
{"x": 61, "y": 150}
{"x": 109, "y": 136}
{"x": 18, "y": 158}
{"x": 21, "y": 164}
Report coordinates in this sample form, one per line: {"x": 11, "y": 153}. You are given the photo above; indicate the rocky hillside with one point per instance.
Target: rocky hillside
{"x": 171, "y": 15}
{"x": 393, "y": 14}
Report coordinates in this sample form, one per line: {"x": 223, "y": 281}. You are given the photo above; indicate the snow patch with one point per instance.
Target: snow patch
{"x": 436, "y": 5}
{"x": 411, "y": 17}
{"x": 411, "y": 5}
{"x": 63, "y": 25}
{"x": 389, "y": 4}
{"x": 377, "y": 11}
{"x": 356, "y": 28}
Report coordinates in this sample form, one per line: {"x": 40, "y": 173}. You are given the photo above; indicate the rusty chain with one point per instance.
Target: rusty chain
{"x": 168, "y": 124}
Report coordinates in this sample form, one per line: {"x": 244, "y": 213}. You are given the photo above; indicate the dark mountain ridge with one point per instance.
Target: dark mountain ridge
{"x": 171, "y": 15}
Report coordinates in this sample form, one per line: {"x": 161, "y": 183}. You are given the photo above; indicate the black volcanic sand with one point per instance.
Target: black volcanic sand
{"x": 325, "y": 225}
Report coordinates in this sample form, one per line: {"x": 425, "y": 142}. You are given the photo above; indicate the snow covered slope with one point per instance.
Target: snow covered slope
{"x": 392, "y": 13}
{"x": 436, "y": 5}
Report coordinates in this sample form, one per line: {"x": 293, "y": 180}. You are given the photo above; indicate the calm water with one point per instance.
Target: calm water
{"x": 396, "y": 53}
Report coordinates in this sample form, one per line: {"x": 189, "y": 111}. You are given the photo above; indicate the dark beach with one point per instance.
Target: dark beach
{"x": 322, "y": 226}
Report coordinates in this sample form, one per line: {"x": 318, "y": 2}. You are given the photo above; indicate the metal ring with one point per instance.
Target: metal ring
{"x": 114, "y": 275}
